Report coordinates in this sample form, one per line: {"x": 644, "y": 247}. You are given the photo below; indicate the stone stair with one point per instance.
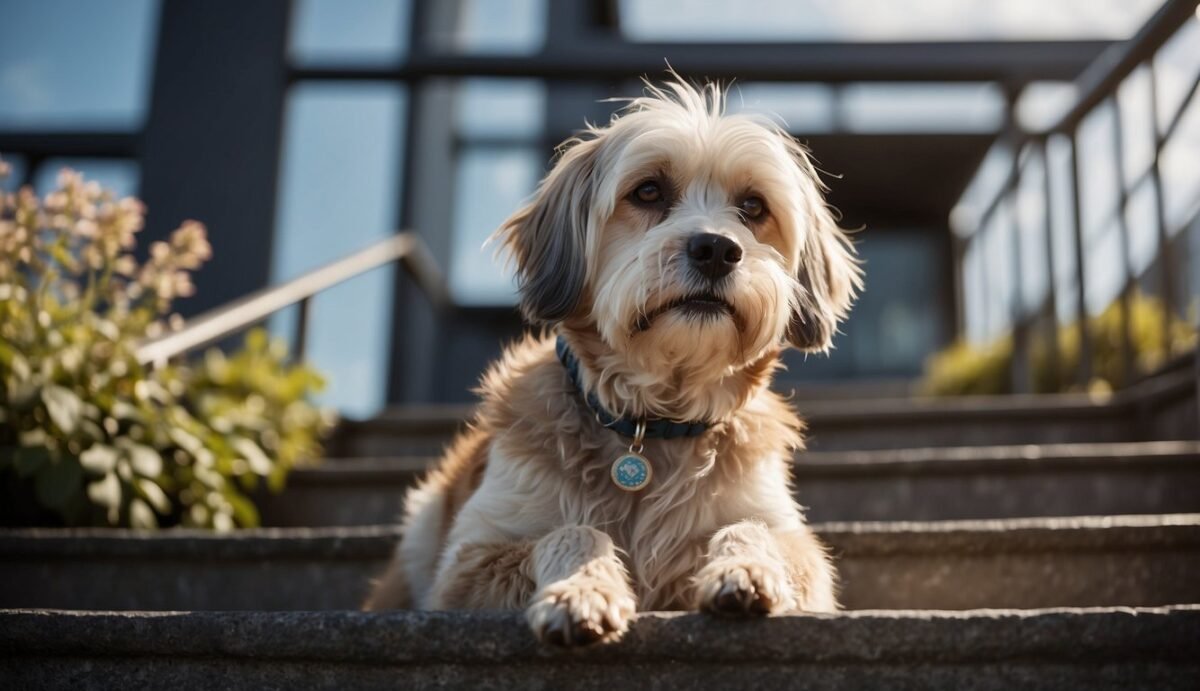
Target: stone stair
{"x": 1024, "y": 563}
{"x": 984, "y": 543}
{"x": 1114, "y": 648}
{"x": 922, "y": 484}
{"x": 1160, "y": 407}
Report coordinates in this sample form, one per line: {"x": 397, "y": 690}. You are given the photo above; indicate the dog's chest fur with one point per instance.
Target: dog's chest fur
{"x": 556, "y": 460}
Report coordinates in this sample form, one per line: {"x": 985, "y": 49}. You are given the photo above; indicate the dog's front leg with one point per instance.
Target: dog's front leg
{"x": 752, "y": 570}
{"x": 583, "y": 592}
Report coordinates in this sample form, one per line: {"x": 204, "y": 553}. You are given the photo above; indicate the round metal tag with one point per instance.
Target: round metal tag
{"x": 631, "y": 471}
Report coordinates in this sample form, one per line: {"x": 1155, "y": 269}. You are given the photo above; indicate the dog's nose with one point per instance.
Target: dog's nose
{"x": 713, "y": 255}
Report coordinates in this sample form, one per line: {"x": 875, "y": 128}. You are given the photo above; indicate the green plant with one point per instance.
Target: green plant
{"x": 963, "y": 368}
{"x": 88, "y": 436}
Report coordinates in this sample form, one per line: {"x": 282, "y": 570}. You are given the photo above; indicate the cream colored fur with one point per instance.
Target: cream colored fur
{"x": 521, "y": 513}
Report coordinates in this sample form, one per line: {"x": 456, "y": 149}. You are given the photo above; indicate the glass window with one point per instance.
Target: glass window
{"x": 1141, "y": 218}
{"x": 349, "y": 31}
{"x": 1099, "y": 179}
{"x": 1031, "y": 225}
{"x": 871, "y": 107}
{"x": 499, "y": 123}
{"x": 1062, "y": 224}
{"x": 904, "y": 275}
{"x": 982, "y": 189}
{"x": 1180, "y": 170}
{"x": 974, "y": 293}
{"x": 1176, "y": 67}
{"x": 496, "y": 27}
{"x": 76, "y": 64}
{"x": 493, "y": 108}
{"x": 881, "y": 20}
{"x": 1042, "y": 105}
{"x": 339, "y": 183}
{"x": 491, "y": 184}
{"x": 1137, "y": 125}
{"x": 119, "y": 175}
{"x": 875, "y": 107}
{"x": 801, "y": 108}
{"x": 998, "y": 253}
{"x": 1104, "y": 268}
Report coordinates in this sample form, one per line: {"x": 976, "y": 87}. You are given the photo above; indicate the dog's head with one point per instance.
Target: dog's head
{"x": 684, "y": 237}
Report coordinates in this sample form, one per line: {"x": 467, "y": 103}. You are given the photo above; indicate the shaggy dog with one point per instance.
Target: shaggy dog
{"x": 643, "y": 463}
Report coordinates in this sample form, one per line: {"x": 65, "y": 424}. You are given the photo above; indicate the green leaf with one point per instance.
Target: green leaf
{"x": 244, "y": 511}
{"x": 186, "y": 441}
{"x": 256, "y": 340}
{"x": 64, "y": 406}
{"x": 20, "y": 367}
{"x": 99, "y": 459}
{"x": 145, "y": 460}
{"x": 57, "y": 481}
{"x": 91, "y": 430}
{"x": 140, "y": 515}
{"x": 155, "y": 495}
{"x": 258, "y": 461}
{"x": 64, "y": 257}
{"x": 106, "y": 491}
{"x": 123, "y": 410}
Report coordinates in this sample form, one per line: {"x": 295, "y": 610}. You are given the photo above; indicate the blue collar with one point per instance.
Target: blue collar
{"x": 656, "y": 428}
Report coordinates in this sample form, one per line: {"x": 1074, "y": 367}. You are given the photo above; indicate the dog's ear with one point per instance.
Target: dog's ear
{"x": 830, "y": 275}
{"x": 548, "y": 236}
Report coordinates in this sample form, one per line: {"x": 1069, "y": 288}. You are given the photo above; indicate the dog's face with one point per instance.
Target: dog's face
{"x": 685, "y": 238}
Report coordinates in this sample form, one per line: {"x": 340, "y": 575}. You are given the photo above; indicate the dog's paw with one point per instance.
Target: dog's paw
{"x": 580, "y": 611}
{"x": 737, "y": 588}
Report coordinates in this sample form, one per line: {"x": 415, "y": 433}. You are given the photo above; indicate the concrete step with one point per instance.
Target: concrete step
{"x": 832, "y": 425}
{"x": 1015, "y": 563}
{"x": 1118, "y": 648}
{"x": 908, "y": 484}
{"x": 1159, "y": 408}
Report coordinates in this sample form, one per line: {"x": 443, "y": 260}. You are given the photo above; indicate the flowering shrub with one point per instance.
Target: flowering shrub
{"x": 964, "y": 369}
{"x": 88, "y": 436}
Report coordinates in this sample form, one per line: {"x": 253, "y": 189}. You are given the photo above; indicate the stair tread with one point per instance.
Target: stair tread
{"x": 883, "y": 537}
{"x": 1139, "y": 560}
{"x": 1094, "y": 648}
{"x": 435, "y": 418}
{"x": 481, "y": 637}
{"x": 1015, "y": 456}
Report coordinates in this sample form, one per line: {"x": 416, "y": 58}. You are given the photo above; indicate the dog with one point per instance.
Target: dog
{"x": 634, "y": 457}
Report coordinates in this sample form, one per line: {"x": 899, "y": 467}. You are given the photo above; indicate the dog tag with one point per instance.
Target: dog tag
{"x": 631, "y": 471}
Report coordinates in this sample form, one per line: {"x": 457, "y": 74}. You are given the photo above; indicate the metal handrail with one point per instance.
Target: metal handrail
{"x": 1100, "y": 80}
{"x": 407, "y": 248}
{"x": 1097, "y": 87}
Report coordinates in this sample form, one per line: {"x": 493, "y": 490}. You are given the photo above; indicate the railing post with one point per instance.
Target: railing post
{"x": 1020, "y": 372}
{"x": 1163, "y": 258}
{"x": 958, "y": 251}
{"x": 1196, "y": 369}
{"x": 1118, "y": 144}
{"x": 1052, "y": 360}
{"x": 1084, "y": 371}
{"x": 300, "y": 339}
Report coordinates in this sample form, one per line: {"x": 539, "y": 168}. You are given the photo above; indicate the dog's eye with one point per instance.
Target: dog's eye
{"x": 752, "y": 208}
{"x": 649, "y": 192}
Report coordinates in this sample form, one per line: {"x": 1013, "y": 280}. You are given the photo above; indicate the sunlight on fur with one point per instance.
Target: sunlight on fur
{"x": 677, "y": 251}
